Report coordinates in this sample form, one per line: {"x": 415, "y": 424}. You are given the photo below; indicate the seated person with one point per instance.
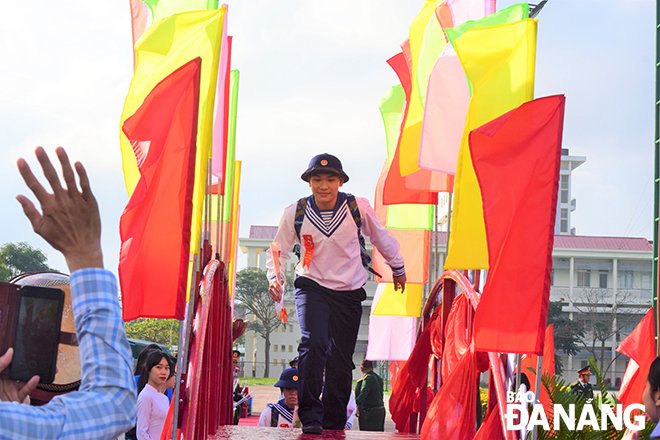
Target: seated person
{"x": 284, "y": 413}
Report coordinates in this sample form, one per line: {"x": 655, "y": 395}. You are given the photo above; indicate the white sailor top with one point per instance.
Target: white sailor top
{"x": 285, "y": 415}
{"x": 336, "y": 262}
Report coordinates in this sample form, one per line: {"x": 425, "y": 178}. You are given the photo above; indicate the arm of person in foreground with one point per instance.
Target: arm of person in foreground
{"x": 104, "y": 406}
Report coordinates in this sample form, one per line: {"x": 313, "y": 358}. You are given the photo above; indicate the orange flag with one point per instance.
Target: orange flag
{"x": 155, "y": 226}
{"x": 516, "y": 158}
{"x": 639, "y": 346}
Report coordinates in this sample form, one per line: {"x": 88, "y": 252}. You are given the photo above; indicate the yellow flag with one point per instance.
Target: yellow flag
{"x": 427, "y": 39}
{"x": 164, "y": 47}
{"x": 394, "y": 303}
{"x": 499, "y": 62}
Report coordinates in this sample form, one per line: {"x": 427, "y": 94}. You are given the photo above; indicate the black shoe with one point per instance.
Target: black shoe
{"x": 312, "y": 429}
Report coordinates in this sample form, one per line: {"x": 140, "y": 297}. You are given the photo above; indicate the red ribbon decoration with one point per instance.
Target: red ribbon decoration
{"x": 309, "y": 250}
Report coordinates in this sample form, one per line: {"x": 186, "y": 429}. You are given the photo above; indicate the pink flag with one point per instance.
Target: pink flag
{"x": 448, "y": 95}
{"x": 447, "y": 102}
{"x": 221, "y": 112}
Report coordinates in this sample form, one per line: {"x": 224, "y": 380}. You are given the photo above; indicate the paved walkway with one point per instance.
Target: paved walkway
{"x": 255, "y": 432}
{"x": 264, "y": 394}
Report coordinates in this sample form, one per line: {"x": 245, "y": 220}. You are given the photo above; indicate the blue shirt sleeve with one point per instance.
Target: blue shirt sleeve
{"x": 105, "y": 404}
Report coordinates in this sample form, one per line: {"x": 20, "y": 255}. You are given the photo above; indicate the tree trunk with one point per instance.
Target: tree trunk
{"x": 267, "y": 357}
{"x": 602, "y": 357}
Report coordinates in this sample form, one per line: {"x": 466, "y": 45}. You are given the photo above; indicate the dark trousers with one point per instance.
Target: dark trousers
{"x": 372, "y": 419}
{"x": 329, "y": 323}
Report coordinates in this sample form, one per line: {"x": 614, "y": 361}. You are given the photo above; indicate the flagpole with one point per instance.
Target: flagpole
{"x": 449, "y": 211}
{"x": 517, "y": 372}
{"x": 539, "y": 363}
{"x": 184, "y": 342}
{"x": 218, "y": 236}
{"x": 436, "y": 246}
{"x": 656, "y": 192}
{"x": 208, "y": 203}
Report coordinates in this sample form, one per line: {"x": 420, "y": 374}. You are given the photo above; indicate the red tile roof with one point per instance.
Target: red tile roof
{"x": 561, "y": 241}
{"x": 604, "y": 243}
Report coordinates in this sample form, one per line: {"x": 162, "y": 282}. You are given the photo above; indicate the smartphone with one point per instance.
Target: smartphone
{"x": 37, "y": 336}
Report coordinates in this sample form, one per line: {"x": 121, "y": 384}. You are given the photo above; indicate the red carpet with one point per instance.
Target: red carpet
{"x": 248, "y": 421}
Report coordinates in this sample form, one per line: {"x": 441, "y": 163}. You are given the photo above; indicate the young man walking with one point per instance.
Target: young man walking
{"x": 329, "y": 226}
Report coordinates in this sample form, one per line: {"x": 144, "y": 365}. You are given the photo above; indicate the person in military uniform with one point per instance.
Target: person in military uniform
{"x": 369, "y": 399}
{"x": 582, "y": 388}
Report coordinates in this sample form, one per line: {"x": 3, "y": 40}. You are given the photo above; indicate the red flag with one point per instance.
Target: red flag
{"x": 516, "y": 158}
{"x": 453, "y": 412}
{"x": 411, "y": 378}
{"x": 639, "y": 346}
{"x": 155, "y": 226}
{"x": 491, "y": 428}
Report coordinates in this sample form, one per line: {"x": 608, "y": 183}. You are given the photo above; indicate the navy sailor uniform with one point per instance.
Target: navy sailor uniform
{"x": 328, "y": 300}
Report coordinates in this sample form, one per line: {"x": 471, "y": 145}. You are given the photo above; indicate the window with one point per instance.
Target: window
{"x": 283, "y": 348}
{"x": 563, "y": 186}
{"x": 552, "y": 277}
{"x": 563, "y": 220}
{"x": 646, "y": 280}
{"x": 276, "y": 348}
{"x": 290, "y": 348}
{"x": 626, "y": 279}
{"x": 583, "y": 278}
{"x": 602, "y": 279}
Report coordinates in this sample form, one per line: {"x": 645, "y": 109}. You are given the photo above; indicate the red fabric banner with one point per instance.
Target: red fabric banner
{"x": 453, "y": 412}
{"x": 640, "y": 347}
{"x": 516, "y": 158}
{"x": 491, "y": 428}
{"x": 410, "y": 379}
{"x": 155, "y": 225}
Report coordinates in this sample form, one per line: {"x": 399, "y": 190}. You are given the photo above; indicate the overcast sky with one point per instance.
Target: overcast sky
{"x": 312, "y": 75}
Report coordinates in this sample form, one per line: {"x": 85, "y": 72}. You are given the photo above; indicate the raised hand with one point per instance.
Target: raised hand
{"x": 69, "y": 219}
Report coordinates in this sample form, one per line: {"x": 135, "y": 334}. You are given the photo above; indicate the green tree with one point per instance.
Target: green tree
{"x": 568, "y": 334}
{"x": 252, "y": 292}
{"x": 18, "y": 258}
{"x": 162, "y": 331}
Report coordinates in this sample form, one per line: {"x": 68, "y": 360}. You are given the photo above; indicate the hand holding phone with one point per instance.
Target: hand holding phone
{"x": 30, "y": 318}
{"x": 12, "y": 390}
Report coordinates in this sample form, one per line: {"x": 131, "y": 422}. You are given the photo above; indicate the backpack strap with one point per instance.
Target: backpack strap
{"x": 301, "y": 206}
{"x": 357, "y": 218}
